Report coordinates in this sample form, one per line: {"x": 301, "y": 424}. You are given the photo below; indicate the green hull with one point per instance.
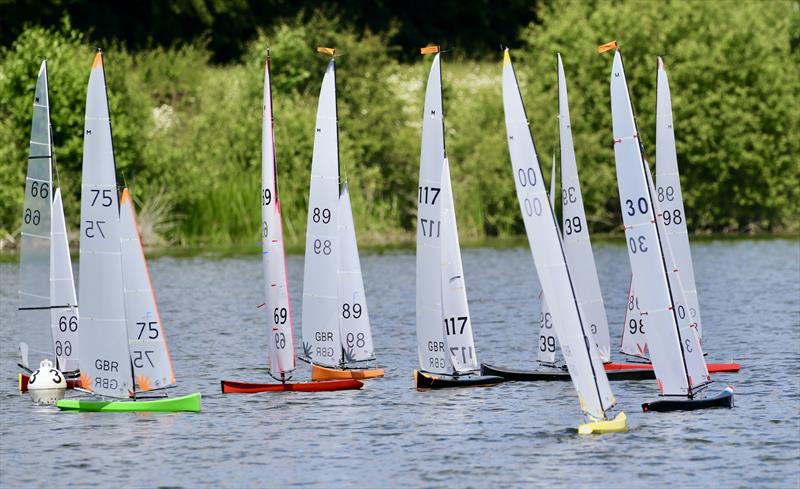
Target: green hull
{"x": 190, "y": 403}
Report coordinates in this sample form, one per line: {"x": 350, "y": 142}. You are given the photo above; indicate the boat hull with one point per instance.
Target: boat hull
{"x": 722, "y": 400}
{"x": 560, "y": 375}
{"x": 319, "y": 372}
{"x": 713, "y": 368}
{"x": 235, "y": 387}
{"x": 424, "y": 380}
{"x": 22, "y": 383}
{"x": 190, "y": 403}
{"x": 617, "y": 425}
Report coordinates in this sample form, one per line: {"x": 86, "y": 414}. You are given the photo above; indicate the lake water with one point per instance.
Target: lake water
{"x": 389, "y": 434}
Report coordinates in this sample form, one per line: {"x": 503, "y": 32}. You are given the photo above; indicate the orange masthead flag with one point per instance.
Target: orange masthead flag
{"x": 328, "y": 51}
{"x": 607, "y": 46}
{"x": 429, "y": 50}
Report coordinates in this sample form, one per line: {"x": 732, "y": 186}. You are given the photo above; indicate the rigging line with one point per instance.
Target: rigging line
{"x": 646, "y": 169}
{"x": 39, "y": 308}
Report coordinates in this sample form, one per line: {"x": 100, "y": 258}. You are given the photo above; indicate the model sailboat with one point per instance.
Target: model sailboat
{"x": 670, "y": 200}
{"x": 580, "y": 259}
{"x": 580, "y": 354}
{"x": 672, "y": 339}
{"x": 337, "y": 338}
{"x": 115, "y": 287}
{"x": 47, "y": 289}
{"x": 280, "y": 339}
{"x": 445, "y": 345}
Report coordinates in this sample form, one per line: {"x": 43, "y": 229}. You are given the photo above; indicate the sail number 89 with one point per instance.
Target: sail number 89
{"x": 323, "y": 247}
{"x": 353, "y": 310}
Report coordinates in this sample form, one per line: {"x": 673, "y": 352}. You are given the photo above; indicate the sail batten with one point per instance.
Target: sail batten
{"x": 580, "y": 354}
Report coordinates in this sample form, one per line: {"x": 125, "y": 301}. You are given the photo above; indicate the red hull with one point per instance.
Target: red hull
{"x": 712, "y": 367}
{"x": 234, "y": 387}
{"x": 23, "y": 383}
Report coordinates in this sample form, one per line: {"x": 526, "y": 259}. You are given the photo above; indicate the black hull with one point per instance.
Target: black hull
{"x": 722, "y": 400}
{"x": 424, "y": 380}
{"x": 560, "y": 375}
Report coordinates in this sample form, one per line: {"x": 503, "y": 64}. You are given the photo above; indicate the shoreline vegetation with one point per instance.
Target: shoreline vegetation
{"x": 187, "y": 127}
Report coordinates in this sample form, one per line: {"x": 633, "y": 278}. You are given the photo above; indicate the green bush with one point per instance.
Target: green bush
{"x": 187, "y": 131}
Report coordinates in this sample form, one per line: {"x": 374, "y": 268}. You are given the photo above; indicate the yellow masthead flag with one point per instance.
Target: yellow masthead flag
{"x": 429, "y": 50}
{"x": 607, "y": 46}
{"x": 328, "y": 51}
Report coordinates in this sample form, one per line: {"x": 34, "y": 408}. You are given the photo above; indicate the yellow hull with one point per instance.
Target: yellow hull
{"x": 616, "y": 425}
{"x": 324, "y": 373}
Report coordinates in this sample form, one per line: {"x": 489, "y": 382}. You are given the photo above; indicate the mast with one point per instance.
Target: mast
{"x": 583, "y": 361}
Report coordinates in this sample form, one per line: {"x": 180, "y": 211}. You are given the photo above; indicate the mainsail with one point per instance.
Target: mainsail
{"x": 582, "y": 359}
{"x": 64, "y": 319}
{"x": 34, "y": 260}
{"x": 152, "y": 366}
{"x": 670, "y": 197}
{"x": 674, "y": 346}
{"x": 280, "y": 340}
{"x": 355, "y": 331}
{"x": 321, "y": 335}
{"x": 429, "y": 317}
{"x": 105, "y": 358}
{"x": 577, "y": 244}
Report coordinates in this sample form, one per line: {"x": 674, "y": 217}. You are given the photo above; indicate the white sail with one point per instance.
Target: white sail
{"x": 64, "y": 318}
{"x": 546, "y": 347}
{"x": 321, "y": 336}
{"x": 577, "y": 244}
{"x": 430, "y": 330}
{"x": 670, "y": 197}
{"x": 458, "y": 337}
{"x": 105, "y": 359}
{"x": 672, "y": 358}
{"x": 152, "y": 366}
{"x": 280, "y": 340}
{"x": 34, "y": 260}
{"x": 356, "y": 334}
{"x": 583, "y": 362}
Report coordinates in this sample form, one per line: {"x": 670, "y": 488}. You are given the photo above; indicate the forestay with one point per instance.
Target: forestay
{"x": 577, "y": 244}
{"x": 280, "y": 339}
{"x": 582, "y": 359}
{"x": 674, "y": 349}
{"x": 321, "y": 336}
{"x": 670, "y": 197}
{"x": 152, "y": 366}
{"x": 355, "y": 331}
{"x": 64, "y": 318}
{"x": 459, "y": 342}
{"x": 105, "y": 359}
{"x": 34, "y": 259}
{"x": 430, "y": 330}
{"x": 547, "y": 336}
{"x": 634, "y": 340}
